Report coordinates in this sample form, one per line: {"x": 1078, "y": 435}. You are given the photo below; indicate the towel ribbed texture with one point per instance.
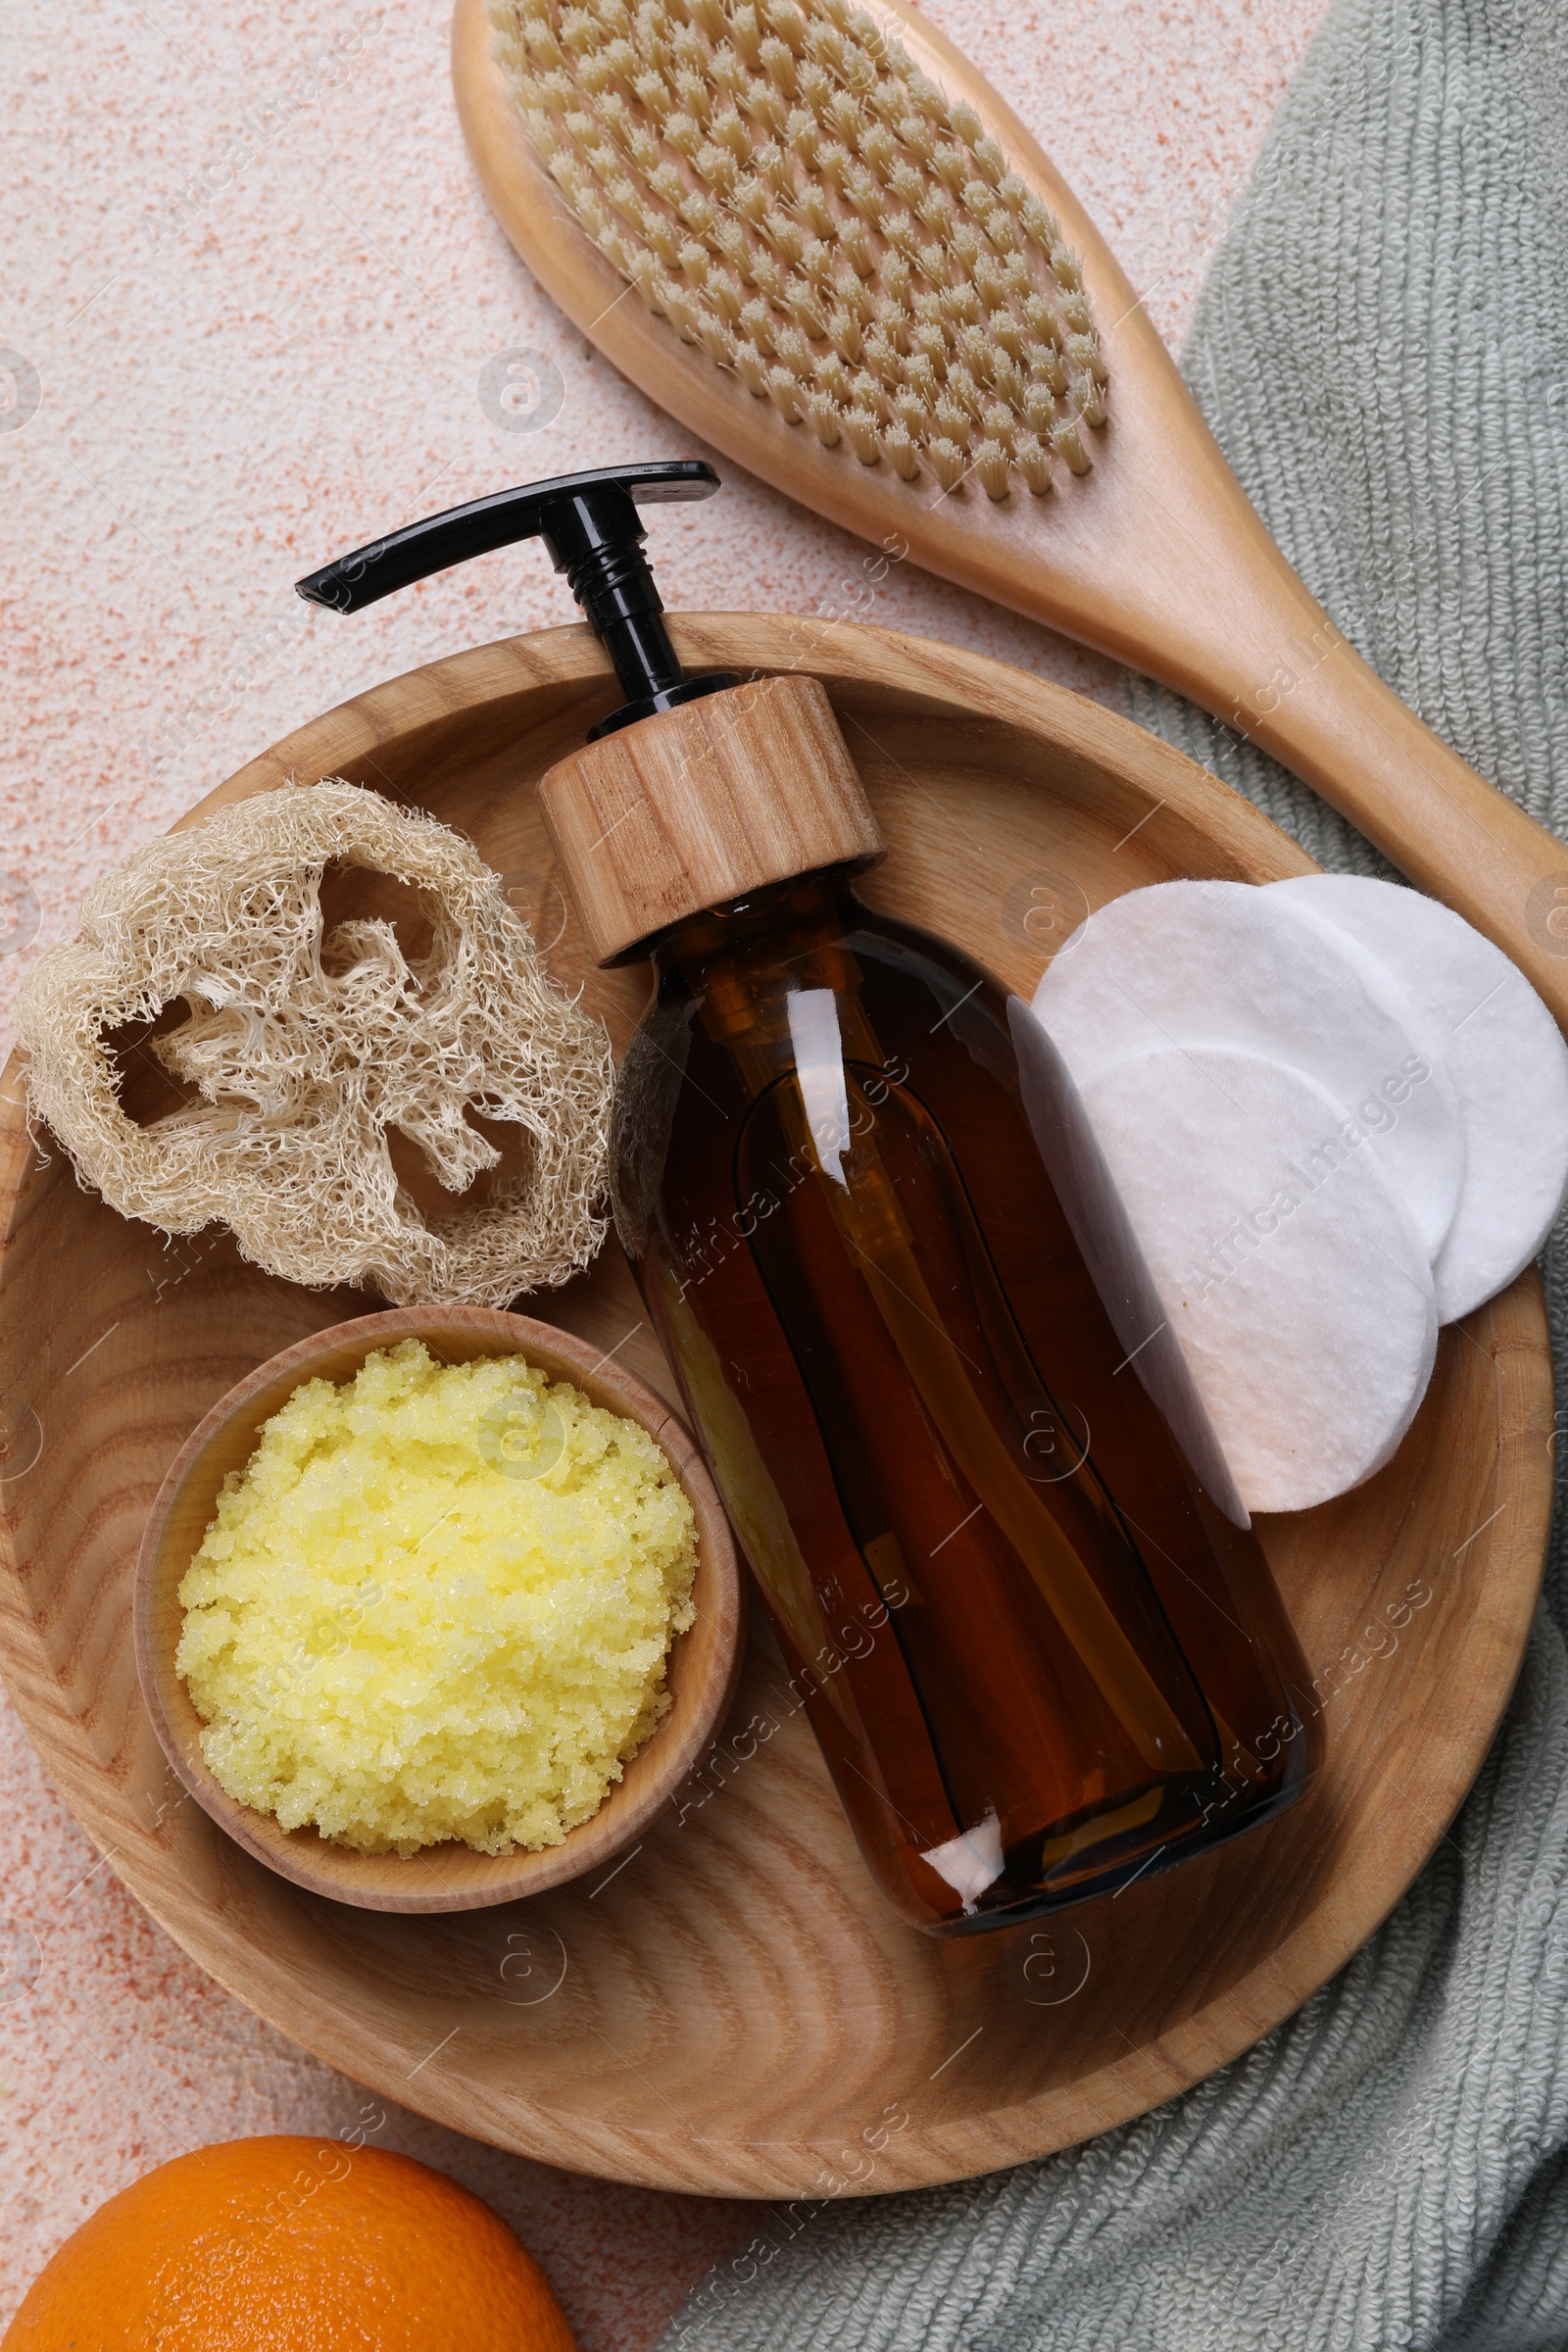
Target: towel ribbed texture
{"x": 1382, "y": 352}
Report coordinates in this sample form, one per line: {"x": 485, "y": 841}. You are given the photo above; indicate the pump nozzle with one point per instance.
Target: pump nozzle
{"x": 590, "y": 523}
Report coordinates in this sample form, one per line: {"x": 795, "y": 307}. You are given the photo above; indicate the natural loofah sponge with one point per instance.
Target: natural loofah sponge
{"x": 308, "y": 1050}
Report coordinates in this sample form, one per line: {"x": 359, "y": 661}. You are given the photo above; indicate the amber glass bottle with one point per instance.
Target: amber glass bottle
{"x": 862, "y": 1201}
{"x": 1038, "y": 1640}
{"x": 1040, "y": 1645}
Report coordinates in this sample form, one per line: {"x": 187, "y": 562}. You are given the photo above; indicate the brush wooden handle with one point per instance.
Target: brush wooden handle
{"x": 1155, "y": 557}
{"x": 1214, "y": 609}
{"x": 1330, "y": 718}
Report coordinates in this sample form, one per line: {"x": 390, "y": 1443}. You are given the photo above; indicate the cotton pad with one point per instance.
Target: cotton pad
{"x": 1228, "y": 966}
{"x": 1508, "y": 1061}
{"x": 1287, "y": 1263}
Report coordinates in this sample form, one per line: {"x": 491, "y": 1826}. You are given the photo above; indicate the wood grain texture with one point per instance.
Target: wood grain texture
{"x": 701, "y": 1675}
{"x": 1155, "y": 557}
{"x": 702, "y": 804}
{"x": 734, "y": 2011}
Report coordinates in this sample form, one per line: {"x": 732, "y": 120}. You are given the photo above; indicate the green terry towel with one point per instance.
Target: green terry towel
{"x": 1382, "y": 352}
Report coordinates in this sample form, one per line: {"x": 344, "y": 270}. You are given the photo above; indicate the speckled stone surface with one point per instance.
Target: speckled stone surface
{"x": 207, "y": 386}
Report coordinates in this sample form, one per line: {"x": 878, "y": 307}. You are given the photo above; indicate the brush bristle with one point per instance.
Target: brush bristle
{"x": 783, "y": 185}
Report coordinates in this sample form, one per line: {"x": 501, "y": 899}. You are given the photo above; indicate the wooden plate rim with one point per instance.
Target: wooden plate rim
{"x": 1172, "y": 798}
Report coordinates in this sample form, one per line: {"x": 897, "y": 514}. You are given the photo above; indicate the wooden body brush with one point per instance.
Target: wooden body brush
{"x": 819, "y": 239}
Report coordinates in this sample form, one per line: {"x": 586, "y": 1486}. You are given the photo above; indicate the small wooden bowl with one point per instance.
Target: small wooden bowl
{"x": 704, "y": 1662}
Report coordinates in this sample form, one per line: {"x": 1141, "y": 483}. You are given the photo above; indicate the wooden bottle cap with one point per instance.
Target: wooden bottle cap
{"x": 704, "y": 804}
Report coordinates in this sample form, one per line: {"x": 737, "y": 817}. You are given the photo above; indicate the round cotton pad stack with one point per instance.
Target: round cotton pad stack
{"x": 1287, "y": 1263}
{"x": 1226, "y": 965}
{"x": 1508, "y": 1061}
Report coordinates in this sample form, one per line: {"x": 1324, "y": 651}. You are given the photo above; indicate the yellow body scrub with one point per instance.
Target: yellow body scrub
{"x": 436, "y": 1603}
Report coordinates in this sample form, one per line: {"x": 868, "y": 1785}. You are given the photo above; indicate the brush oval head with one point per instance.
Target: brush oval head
{"x": 869, "y": 307}
{"x": 870, "y": 290}
{"x": 798, "y": 199}
{"x": 875, "y": 310}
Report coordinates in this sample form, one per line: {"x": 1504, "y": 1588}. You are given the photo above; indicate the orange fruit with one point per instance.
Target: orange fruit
{"x": 291, "y": 2246}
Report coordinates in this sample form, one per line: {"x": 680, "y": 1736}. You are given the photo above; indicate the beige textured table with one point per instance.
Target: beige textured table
{"x": 252, "y": 318}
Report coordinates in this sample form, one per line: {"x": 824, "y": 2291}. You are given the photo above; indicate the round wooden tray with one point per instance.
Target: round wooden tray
{"x": 733, "y": 2008}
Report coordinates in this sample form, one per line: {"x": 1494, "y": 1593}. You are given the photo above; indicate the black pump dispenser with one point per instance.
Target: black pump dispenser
{"x": 590, "y": 523}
